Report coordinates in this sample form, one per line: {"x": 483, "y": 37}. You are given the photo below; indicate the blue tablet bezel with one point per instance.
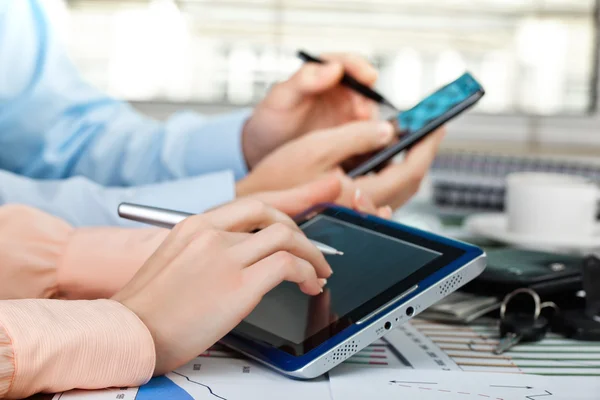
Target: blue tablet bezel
{"x": 287, "y": 362}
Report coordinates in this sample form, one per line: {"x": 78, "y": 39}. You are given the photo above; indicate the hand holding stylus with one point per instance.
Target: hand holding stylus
{"x": 350, "y": 82}
{"x": 210, "y": 273}
{"x": 169, "y": 218}
{"x": 313, "y": 98}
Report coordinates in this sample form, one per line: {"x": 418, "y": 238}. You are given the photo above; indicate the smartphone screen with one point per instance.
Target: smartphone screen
{"x": 437, "y": 104}
{"x": 422, "y": 119}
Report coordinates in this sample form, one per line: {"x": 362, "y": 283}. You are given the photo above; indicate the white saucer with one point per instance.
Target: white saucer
{"x": 494, "y": 226}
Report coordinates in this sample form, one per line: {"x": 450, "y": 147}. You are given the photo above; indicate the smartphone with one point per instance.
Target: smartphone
{"x": 435, "y": 110}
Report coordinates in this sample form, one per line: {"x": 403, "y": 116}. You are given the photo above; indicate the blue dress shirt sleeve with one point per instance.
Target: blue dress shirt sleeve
{"x": 54, "y": 126}
{"x": 82, "y": 202}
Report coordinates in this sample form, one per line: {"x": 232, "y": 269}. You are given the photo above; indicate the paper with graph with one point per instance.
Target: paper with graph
{"x": 421, "y": 348}
{"x": 470, "y": 348}
{"x": 221, "y": 374}
{"x": 453, "y": 385}
{"x": 214, "y": 378}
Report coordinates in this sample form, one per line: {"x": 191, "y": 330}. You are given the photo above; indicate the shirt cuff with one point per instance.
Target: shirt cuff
{"x": 7, "y": 363}
{"x": 62, "y": 345}
{"x": 31, "y": 246}
{"x": 217, "y": 145}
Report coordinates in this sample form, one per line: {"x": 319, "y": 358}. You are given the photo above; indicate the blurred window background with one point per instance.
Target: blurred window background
{"x": 533, "y": 56}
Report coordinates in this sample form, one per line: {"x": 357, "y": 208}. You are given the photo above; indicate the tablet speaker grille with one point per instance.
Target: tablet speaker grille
{"x": 450, "y": 284}
{"x": 343, "y": 352}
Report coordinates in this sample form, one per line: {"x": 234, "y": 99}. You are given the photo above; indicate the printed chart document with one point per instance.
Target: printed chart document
{"x": 470, "y": 348}
{"x": 392, "y": 384}
{"x": 417, "y": 350}
{"x": 213, "y": 378}
{"x": 222, "y": 374}
{"x": 419, "y": 347}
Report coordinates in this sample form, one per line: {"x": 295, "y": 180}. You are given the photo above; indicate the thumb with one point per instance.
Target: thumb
{"x": 310, "y": 79}
{"x": 294, "y": 201}
{"x": 352, "y": 139}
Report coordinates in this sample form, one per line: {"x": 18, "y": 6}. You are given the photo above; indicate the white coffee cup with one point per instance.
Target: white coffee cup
{"x": 549, "y": 205}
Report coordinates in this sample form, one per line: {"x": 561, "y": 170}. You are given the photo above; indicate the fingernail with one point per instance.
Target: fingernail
{"x": 360, "y": 200}
{"x": 358, "y": 197}
{"x": 389, "y": 210}
{"x": 322, "y": 282}
{"x": 385, "y": 131}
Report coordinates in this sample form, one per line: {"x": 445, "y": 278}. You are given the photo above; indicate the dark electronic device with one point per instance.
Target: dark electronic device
{"x": 583, "y": 323}
{"x": 546, "y": 273}
{"x": 435, "y": 110}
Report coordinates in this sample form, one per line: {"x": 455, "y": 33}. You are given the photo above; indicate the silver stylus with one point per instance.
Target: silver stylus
{"x": 169, "y": 218}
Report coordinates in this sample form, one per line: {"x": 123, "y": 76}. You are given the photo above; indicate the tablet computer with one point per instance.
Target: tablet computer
{"x": 388, "y": 274}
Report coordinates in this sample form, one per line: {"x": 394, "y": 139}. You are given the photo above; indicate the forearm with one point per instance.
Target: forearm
{"x": 54, "y": 345}
{"x": 81, "y": 202}
{"x": 55, "y": 125}
{"x": 114, "y": 145}
{"x": 42, "y": 256}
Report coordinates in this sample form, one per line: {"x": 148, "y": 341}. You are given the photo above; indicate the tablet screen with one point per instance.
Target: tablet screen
{"x": 375, "y": 268}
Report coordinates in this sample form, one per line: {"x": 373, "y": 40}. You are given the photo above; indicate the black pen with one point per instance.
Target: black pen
{"x": 352, "y": 83}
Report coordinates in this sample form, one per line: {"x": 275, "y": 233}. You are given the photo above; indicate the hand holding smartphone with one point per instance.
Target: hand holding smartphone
{"x": 414, "y": 124}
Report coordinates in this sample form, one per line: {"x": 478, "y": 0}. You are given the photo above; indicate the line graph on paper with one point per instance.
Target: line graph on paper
{"x": 213, "y": 378}
{"x": 223, "y": 374}
{"x": 220, "y": 373}
{"x": 458, "y": 385}
{"x": 441, "y": 391}
{"x": 470, "y": 348}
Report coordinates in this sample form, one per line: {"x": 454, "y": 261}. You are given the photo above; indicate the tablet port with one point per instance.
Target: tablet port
{"x": 388, "y": 325}
{"x": 410, "y": 311}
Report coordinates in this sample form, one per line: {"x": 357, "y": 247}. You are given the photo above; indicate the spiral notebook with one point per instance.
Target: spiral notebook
{"x": 467, "y": 182}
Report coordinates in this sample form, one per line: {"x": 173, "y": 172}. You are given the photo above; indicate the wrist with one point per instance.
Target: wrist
{"x": 243, "y": 187}
{"x": 137, "y": 309}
